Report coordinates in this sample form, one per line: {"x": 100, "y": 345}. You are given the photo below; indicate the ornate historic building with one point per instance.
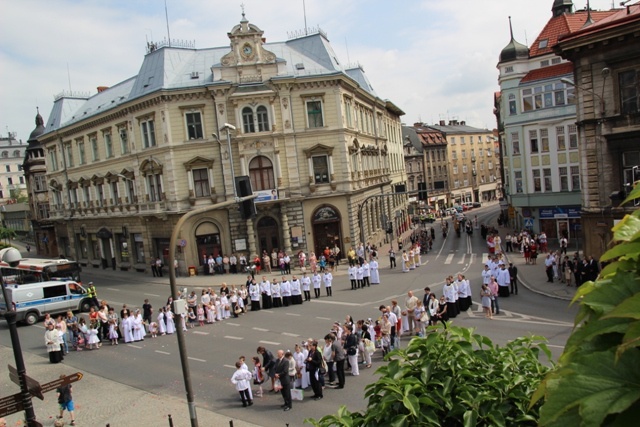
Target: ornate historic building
{"x": 606, "y": 71}
{"x": 540, "y": 145}
{"x": 315, "y": 139}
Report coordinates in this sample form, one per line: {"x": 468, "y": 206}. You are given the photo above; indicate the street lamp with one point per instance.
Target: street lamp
{"x": 605, "y": 73}
{"x": 473, "y": 183}
{"x": 12, "y": 257}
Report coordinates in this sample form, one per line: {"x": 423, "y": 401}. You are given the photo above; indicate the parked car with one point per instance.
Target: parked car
{"x": 477, "y": 204}
{"x": 451, "y": 211}
{"x": 467, "y": 206}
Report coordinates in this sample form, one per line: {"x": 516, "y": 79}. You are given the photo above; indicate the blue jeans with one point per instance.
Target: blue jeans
{"x": 495, "y": 305}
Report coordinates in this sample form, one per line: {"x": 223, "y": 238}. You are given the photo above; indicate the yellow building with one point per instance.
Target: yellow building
{"x": 316, "y": 141}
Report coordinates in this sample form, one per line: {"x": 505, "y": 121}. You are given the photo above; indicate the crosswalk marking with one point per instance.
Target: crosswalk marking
{"x": 462, "y": 259}
{"x": 449, "y": 259}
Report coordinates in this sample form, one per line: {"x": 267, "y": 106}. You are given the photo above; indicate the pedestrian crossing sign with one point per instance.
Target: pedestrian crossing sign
{"x": 528, "y": 222}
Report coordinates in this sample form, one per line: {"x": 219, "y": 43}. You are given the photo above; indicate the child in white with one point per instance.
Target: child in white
{"x": 327, "y": 279}
{"x": 171, "y": 325}
{"x": 241, "y": 379}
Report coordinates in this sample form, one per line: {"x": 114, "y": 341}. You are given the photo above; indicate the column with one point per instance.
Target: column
{"x": 251, "y": 238}
{"x": 286, "y": 234}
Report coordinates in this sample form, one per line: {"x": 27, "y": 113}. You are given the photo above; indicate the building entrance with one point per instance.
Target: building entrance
{"x": 326, "y": 224}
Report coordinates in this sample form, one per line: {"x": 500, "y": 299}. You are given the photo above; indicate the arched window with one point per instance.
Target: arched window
{"x": 263, "y": 118}
{"x": 247, "y": 120}
{"x": 5, "y": 154}
{"x": 261, "y": 173}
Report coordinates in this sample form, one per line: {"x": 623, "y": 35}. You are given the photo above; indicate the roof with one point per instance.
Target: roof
{"x": 619, "y": 18}
{"x": 561, "y": 25}
{"x": 548, "y": 72}
{"x": 172, "y": 68}
{"x": 410, "y": 133}
{"x": 455, "y": 129}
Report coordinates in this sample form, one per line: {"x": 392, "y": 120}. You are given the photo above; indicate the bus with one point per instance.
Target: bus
{"x": 34, "y": 270}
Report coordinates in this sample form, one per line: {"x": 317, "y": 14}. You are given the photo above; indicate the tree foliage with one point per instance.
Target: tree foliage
{"x": 597, "y": 379}
{"x": 450, "y": 378}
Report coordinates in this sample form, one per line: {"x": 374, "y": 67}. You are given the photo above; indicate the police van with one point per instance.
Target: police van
{"x": 31, "y": 301}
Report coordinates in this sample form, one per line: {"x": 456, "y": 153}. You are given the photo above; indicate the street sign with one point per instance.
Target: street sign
{"x": 10, "y": 404}
{"x": 528, "y": 222}
{"x": 32, "y": 385}
{"x": 61, "y": 381}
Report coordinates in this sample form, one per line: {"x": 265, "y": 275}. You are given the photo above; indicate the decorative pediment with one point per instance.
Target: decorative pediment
{"x": 55, "y": 184}
{"x": 199, "y": 162}
{"x": 151, "y": 166}
{"x": 97, "y": 178}
{"x": 318, "y": 149}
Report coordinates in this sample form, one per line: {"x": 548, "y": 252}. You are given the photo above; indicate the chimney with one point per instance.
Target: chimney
{"x": 102, "y": 88}
{"x": 441, "y": 122}
{"x": 462, "y": 123}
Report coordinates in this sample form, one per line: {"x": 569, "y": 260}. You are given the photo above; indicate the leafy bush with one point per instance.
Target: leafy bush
{"x": 452, "y": 377}
{"x": 597, "y": 379}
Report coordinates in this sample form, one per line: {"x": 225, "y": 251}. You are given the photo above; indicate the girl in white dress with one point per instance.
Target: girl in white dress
{"x": 171, "y": 325}
{"x": 219, "y": 309}
{"x": 113, "y": 331}
{"x": 93, "y": 337}
{"x": 162, "y": 327}
{"x": 138, "y": 327}
{"x": 302, "y": 379}
{"x": 211, "y": 312}
{"x": 126, "y": 325}
{"x": 226, "y": 306}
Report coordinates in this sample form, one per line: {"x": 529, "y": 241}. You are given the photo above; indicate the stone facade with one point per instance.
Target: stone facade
{"x": 313, "y": 137}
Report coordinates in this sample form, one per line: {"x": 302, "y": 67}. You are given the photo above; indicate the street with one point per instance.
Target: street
{"x": 154, "y": 364}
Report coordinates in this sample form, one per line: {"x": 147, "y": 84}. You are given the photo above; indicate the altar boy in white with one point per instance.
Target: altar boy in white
{"x": 375, "y": 274}
{"x": 328, "y": 278}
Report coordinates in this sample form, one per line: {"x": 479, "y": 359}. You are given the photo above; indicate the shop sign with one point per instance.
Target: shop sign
{"x": 560, "y": 212}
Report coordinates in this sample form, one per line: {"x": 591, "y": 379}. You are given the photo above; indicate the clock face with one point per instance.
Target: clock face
{"x": 247, "y": 50}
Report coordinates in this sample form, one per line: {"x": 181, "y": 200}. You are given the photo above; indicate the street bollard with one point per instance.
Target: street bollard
{"x": 230, "y": 423}
{"x": 170, "y": 421}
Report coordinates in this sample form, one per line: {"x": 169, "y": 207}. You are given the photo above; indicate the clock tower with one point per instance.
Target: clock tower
{"x": 247, "y": 46}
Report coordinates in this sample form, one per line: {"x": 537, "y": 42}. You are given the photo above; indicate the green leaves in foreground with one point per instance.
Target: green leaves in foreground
{"x": 452, "y": 378}
{"x": 597, "y": 380}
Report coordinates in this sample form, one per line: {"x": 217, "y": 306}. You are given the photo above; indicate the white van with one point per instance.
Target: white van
{"x": 31, "y": 301}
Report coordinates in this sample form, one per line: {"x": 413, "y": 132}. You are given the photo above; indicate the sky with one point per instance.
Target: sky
{"x": 435, "y": 59}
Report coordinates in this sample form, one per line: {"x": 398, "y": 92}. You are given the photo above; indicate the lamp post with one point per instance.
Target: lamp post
{"x": 474, "y": 196}
{"x": 12, "y": 257}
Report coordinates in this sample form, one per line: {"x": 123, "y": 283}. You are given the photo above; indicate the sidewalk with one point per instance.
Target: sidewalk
{"x": 100, "y": 401}
{"x": 534, "y": 278}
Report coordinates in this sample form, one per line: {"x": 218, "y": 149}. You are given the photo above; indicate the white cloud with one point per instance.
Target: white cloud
{"x": 434, "y": 59}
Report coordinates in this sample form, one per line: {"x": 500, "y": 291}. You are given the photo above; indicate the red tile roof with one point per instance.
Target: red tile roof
{"x": 620, "y": 17}
{"x": 548, "y": 72}
{"x": 563, "y": 24}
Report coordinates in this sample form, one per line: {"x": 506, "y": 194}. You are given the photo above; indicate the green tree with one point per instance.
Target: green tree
{"x": 7, "y": 234}
{"x": 597, "y": 379}
{"x": 452, "y": 377}
{"x": 19, "y": 196}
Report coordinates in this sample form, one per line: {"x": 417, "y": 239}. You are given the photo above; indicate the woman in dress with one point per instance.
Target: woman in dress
{"x": 527, "y": 251}
{"x": 302, "y": 259}
{"x": 138, "y": 326}
{"x": 441, "y": 314}
{"x": 93, "y": 337}
{"x": 313, "y": 262}
{"x": 433, "y": 308}
{"x": 171, "y": 324}
{"x": 375, "y": 274}
{"x": 211, "y": 311}
{"x": 162, "y": 326}
{"x": 52, "y": 341}
{"x": 485, "y": 294}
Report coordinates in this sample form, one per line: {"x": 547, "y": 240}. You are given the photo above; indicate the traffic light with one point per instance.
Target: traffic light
{"x": 243, "y": 189}
{"x": 422, "y": 191}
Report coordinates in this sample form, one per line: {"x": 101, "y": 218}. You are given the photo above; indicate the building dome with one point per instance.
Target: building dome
{"x": 39, "y": 130}
{"x": 513, "y": 50}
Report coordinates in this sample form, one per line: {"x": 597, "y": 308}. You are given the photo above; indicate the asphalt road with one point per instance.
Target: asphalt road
{"x": 154, "y": 364}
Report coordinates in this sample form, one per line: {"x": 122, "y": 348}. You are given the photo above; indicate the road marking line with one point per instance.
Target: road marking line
{"x": 269, "y": 342}
{"x": 449, "y": 259}
{"x": 134, "y": 346}
{"x": 462, "y": 260}
{"x": 351, "y": 304}
{"x": 152, "y": 295}
{"x": 289, "y": 334}
{"x": 229, "y": 366}
{"x": 196, "y": 359}
{"x": 201, "y": 333}
{"x": 232, "y": 324}
{"x": 265, "y": 311}
{"x": 317, "y": 317}
{"x": 293, "y": 314}
{"x": 233, "y": 338}
{"x": 112, "y": 289}
{"x": 260, "y": 329}
{"x": 473, "y": 258}
{"x": 39, "y": 326}
{"x": 162, "y": 352}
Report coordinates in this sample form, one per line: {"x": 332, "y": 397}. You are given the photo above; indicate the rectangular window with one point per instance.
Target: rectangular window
{"x": 454, "y": 155}
{"x": 518, "y": 180}
{"x": 490, "y": 164}
{"x": 515, "y": 144}
{"x": 95, "y": 154}
{"x": 629, "y": 84}
{"x": 86, "y": 193}
{"x": 480, "y": 152}
{"x": 453, "y": 140}
{"x": 155, "y": 187}
{"x": 527, "y": 100}
{"x": 573, "y": 137}
{"x": 40, "y": 182}
{"x": 537, "y": 183}
{"x": 108, "y": 144}
{"x": 115, "y": 194}
{"x": 462, "y": 140}
{"x": 464, "y": 154}
{"x": 82, "y": 159}
{"x": 347, "y": 112}
{"x": 544, "y": 140}
{"x": 456, "y": 184}
{"x": 124, "y": 140}
{"x": 564, "y": 179}
{"x": 53, "y": 159}
{"x": 68, "y": 153}
{"x": 8, "y": 167}
{"x": 314, "y": 114}
{"x": 201, "y": 186}
{"x": 455, "y": 169}
{"x": 131, "y": 190}
{"x": 560, "y": 138}
{"x": 320, "y": 169}
{"x": 194, "y": 125}
{"x": 100, "y": 195}
{"x": 148, "y": 134}
{"x": 546, "y": 173}
{"x": 533, "y": 140}
{"x": 575, "y": 178}
{"x": 465, "y": 183}
{"x": 481, "y": 166}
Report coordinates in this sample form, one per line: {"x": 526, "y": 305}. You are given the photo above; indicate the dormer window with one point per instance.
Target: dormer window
{"x": 543, "y": 43}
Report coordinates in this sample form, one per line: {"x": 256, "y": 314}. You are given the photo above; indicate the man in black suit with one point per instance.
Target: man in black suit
{"x": 282, "y": 374}
{"x": 513, "y": 275}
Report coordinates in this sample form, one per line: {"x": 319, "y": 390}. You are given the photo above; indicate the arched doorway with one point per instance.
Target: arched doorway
{"x": 268, "y": 234}
{"x": 326, "y": 229}
{"x": 207, "y": 241}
